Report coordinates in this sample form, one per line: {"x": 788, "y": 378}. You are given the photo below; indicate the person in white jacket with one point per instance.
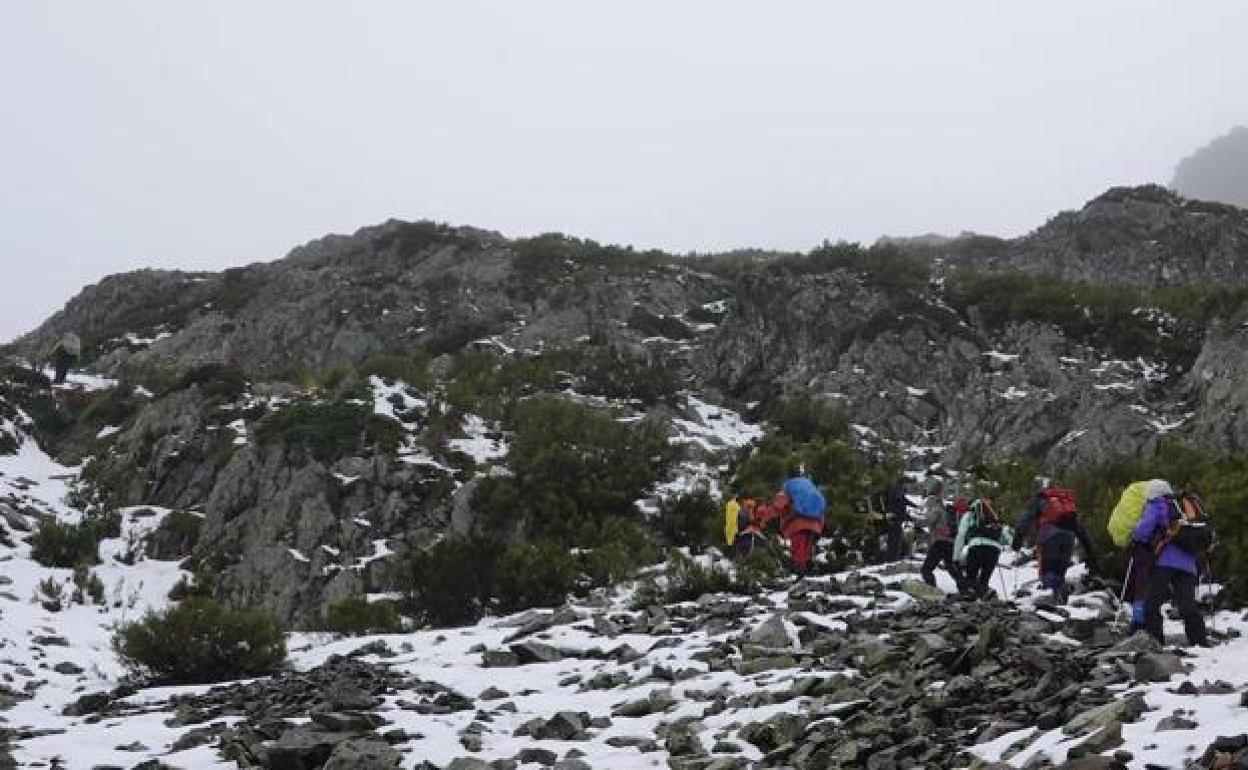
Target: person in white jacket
{"x": 981, "y": 536}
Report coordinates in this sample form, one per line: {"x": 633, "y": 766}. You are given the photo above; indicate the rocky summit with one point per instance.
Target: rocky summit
{"x": 428, "y": 497}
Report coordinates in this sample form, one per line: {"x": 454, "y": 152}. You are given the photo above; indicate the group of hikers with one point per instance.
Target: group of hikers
{"x": 1165, "y": 533}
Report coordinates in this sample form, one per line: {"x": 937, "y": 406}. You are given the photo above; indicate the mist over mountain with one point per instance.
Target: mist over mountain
{"x": 1218, "y": 171}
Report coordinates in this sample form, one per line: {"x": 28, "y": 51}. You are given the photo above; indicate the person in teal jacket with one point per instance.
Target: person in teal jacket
{"x": 981, "y": 536}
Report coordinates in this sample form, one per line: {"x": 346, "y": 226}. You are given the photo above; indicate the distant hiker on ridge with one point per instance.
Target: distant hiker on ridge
{"x": 64, "y": 355}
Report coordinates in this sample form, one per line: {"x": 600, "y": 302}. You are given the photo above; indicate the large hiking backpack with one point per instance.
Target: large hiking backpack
{"x": 807, "y": 500}
{"x": 987, "y": 523}
{"x": 1127, "y": 513}
{"x": 1058, "y": 508}
{"x": 1189, "y": 529}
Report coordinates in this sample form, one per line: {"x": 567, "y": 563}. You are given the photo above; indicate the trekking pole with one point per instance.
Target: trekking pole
{"x": 1122, "y": 597}
{"x": 1213, "y": 599}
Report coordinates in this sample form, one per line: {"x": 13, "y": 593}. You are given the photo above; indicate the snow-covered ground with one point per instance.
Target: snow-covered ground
{"x": 57, "y": 656}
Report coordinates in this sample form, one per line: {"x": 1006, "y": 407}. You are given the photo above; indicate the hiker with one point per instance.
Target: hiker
{"x": 1121, "y": 526}
{"x": 749, "y": 526}
{"x": 800, "y": 506}
{"x": 64, "y": 354}
{"x": 981, "y": 536}
{"x": 1164, "y": 524}
{"x": 941, "y": 527}
{"x": 1056, "y": 519}
{"x": 897, "y": 509}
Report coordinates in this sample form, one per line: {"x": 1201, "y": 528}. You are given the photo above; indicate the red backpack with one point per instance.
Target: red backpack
{"x": 1058, "y": 508}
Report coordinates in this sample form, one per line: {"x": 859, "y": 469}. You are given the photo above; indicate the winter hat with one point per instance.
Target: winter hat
{"x": 1157, "y": 488}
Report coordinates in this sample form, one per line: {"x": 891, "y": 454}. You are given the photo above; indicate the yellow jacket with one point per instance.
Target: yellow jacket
{"x": 731, "y": 511}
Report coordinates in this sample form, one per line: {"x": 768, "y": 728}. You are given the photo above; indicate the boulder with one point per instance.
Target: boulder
{"x": 772, "y": 633}
{"x": 1122, "y": 710}
{"x": 363, "y": 754}
{"x": 917, "y": 589}
{"x": 535, "y": 652}
{"x": 301, "y": 748}
{"x": 1157, "y": 666}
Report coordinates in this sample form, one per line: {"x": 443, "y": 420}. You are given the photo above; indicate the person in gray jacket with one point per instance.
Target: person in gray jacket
{"x": 941, "y": 528}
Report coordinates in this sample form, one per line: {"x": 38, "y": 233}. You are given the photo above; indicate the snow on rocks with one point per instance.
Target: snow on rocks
{"x": 481, "y": 442}
{"x": 714, "y": 427}
{"x": 831, "y": 670}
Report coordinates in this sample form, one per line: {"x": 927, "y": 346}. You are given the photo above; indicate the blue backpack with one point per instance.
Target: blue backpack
{"x": 808, "y": 501}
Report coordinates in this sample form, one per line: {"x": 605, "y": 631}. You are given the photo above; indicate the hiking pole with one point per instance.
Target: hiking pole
{"x": 1122, "y": 597}
{"x": 1207, "y": 577}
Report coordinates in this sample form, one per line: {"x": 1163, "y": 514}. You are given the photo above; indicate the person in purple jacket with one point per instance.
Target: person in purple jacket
{"x": 1174, "y": 574}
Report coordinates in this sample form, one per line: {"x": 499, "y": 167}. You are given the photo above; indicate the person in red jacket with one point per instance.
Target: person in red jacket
{"x": 802, "y": 532}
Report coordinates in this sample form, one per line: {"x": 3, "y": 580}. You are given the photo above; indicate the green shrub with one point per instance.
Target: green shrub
{"x": 199, "y": 642}
{"x": 186, "y": 588}
{"x": 574, "y": 468}
{"x": 331, "y": 431}
{"x": 358, "y": 615}
{"x": 87, "y": 585}
{"x": 650, "y": 325}
{"x": 687, "y": 580}
{"x": 109, "y": 407}
{"x": 216, "y": 381}
{"x": 56, "y": 544}
{"x": 1109, "y": 316}
{"x": 691, "y": 519}
{"x": 176, "y": 536}
{"x": 535, "y": 575}
{"x": 762, "y": 570}
{"x": 805, "y": 418}
{"x": 551, "y": 255}
{"x": 882, "y": 266}
{"x": 449, "y": 583}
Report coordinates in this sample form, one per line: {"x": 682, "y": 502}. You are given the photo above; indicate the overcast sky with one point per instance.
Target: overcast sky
{"x": 157, "y": 134}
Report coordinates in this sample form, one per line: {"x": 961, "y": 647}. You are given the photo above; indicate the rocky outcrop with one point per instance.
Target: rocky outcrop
{"x": 915, "y": 372}
{"x": 1146, "y": 235}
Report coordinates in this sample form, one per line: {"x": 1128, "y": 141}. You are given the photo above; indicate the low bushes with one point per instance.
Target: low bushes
{"x": 458, "y": 580}
{"x": 357, "y": 615}
{"x": 56, "y": 544}
{"x": 688, "y": 579}
{"x": 691, "y": 519}
{"x": 330, "y": 431}
{"x": 200, "y": 642}
{"x": 216, "y": 381}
